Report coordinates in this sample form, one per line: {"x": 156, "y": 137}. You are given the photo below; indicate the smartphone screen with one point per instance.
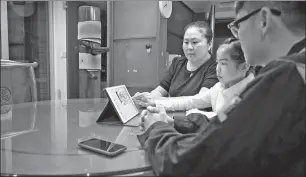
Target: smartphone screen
{"x": 103, "y": 145}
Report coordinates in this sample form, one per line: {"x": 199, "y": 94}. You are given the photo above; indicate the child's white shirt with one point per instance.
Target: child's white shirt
{"x": 217, "y": 97}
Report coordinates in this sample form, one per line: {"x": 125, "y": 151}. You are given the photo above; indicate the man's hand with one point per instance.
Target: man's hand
{"x": 190, "y": 123}
{"x": 154, "y": 114}
{"x": 143, "y": 99}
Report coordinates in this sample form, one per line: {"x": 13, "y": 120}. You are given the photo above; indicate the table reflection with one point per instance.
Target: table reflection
{"x": 59, "y": 126}
{"x": 12, "y": 126}
{"x": 51, "y": 145}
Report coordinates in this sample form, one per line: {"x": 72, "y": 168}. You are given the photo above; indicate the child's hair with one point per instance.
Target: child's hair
{"x": 233, "y": 47}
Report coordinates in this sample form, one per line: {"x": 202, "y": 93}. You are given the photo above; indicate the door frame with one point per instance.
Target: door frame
{"x": 57, "y": 50}
{"x": 4, "y": 32}
{"x": 110, "y": 37}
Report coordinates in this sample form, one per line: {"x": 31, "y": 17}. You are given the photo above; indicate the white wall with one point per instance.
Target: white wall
{"x": 58, "y": 69}
{"x": 4, "y": 31}
{"x": 58, "y": 73}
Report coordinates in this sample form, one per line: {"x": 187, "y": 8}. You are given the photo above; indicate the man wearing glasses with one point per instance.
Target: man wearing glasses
{"x": 263, "y": 134}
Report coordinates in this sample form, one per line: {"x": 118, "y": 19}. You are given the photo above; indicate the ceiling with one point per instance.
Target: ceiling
{"x": 198, "y": 6}
{"x": 223, "y": 9}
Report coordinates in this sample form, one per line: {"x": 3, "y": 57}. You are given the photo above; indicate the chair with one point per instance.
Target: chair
{"x": 18, "y": 84}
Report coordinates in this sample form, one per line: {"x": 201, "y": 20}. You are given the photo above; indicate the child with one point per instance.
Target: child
{"x": 233, "y": 74}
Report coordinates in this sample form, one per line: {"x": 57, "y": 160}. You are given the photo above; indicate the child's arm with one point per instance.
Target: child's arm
{"x": 200, "y": 101}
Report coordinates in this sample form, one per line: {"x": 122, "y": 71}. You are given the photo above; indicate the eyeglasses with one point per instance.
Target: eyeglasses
{"x": 234, "y": 26}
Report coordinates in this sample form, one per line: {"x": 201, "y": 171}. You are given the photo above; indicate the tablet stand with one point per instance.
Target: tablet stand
{"x": 112, "y": 114}
{"x": 109, "y": 114}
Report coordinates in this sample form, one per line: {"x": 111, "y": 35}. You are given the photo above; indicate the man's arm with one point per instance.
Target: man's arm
{"x": 263, "y": 134}
{"x": 176, "y": 154}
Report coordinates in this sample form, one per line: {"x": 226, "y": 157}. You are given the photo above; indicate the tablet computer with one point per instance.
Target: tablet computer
{"x": 120, "y": 105}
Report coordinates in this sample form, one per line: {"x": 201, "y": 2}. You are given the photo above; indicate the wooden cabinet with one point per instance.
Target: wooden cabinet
{"x": 135, "y": 19}
{"x": 181, "y": 16}
{"x": 133, "y": 66}
{"x": 135, "y": 25}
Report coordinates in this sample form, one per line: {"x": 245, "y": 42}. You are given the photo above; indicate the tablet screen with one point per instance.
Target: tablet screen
{"x": 122, "y": 102}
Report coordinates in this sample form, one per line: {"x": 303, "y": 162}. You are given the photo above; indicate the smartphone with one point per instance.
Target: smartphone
{"x": 102, "y": 146}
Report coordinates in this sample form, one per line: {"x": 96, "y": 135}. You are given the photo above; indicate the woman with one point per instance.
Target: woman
{"x": 191, "y": 74}
{"x": 233, "y": 74}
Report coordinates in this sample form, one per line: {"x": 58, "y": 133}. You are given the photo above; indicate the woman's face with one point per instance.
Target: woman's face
{"x": 195, "y": 45}
{"x": 227, "y": 69}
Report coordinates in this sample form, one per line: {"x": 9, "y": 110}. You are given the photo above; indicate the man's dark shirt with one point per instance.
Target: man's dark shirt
{"x": 263, "y": 135}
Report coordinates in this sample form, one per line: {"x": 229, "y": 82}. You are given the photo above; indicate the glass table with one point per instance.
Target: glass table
{"x": 40, "y": 138}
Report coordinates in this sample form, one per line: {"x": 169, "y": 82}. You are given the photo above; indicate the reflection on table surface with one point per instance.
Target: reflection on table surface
{"x": 40, "y": 138}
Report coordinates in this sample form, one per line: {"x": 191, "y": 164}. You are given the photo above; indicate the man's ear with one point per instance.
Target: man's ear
{"x": 265, "y": 21}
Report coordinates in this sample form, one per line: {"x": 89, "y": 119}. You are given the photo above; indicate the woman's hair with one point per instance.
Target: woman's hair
{"x": 203, "y": 27}
{"x": 233, "y": 47}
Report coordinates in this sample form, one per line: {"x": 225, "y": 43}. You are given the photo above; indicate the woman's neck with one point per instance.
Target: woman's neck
{"x": 194, "y": 65}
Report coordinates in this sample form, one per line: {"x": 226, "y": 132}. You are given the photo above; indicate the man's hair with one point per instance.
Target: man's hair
{"x": 292, "y": 12}
{"x": 203, "y": 27}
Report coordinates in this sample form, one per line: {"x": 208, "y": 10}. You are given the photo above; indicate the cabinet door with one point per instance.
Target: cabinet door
{"x": 135, "y": 19}
{"x": 120, "y": 68}
{"x": 133, "y": 65}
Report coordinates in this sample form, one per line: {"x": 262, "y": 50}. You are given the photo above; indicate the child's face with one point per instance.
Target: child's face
{"x": 227, "y": 69}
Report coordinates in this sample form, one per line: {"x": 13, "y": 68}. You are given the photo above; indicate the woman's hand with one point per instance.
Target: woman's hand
{"x": 143, "y": 99}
